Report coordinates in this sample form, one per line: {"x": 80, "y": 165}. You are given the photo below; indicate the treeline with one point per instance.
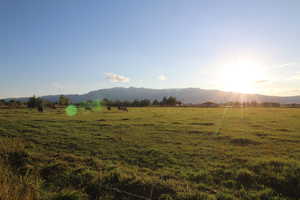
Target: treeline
{"x": 166, "y": 101}
{"x": 37, "y": 102}
{"x": 237, "y": 104}
{"x": 253, "y": 104}
{"x": 11, "y": 103}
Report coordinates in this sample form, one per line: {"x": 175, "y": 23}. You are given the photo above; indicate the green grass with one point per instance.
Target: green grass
{"x": 156, "y": 153}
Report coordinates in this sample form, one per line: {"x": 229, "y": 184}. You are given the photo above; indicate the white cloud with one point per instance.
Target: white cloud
{"x": 287, "y": 64}
{"x": 296, "y": 76}
{"x": 116, "y": 78}
{"x": 261, "y": 81}
{"x": 162, "y": 77}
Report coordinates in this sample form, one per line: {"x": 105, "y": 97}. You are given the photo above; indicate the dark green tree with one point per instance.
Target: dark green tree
{"x": 106, "y": 102}
{"x": 32, "y": 102}
{"x": 64, "y": 101}
{"x": 155, "y": 102}
{"x": 145, "y": 102}
{"x": 171, "y": 101}
{"x": 164, "y": 101}
{"x": 2, "y": 102}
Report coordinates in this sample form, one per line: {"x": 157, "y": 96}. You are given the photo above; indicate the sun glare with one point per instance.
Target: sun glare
{"x": 241, "y": 77}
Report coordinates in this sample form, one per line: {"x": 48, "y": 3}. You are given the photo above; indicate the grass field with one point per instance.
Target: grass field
{"x": 150, "y": 153}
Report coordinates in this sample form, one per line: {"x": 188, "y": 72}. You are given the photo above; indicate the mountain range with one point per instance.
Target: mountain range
{"x": 186, "y": 95}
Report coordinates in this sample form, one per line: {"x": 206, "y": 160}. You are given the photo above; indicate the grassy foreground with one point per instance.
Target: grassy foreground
{"x": 150, "y": 153}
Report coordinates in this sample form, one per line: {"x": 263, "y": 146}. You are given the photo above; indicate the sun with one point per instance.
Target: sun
{"x": 240, "y": 76}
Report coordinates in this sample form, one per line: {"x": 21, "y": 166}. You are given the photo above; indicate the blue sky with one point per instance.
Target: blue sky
{"x": 75, "y": 46}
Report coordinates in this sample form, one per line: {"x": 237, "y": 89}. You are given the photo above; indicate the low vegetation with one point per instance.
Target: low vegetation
{"x": 157, "y": 153}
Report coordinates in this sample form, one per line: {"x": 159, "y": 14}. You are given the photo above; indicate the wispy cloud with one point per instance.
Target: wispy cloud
{"x": 261, "y": 81}
{"x": 296, "y": 76}
{"x": 162, "y": 77}
{"x": 116, "y": 78}
{"x": 287, "y": 64}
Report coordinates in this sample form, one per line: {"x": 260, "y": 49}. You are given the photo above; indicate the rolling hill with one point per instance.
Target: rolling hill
{"x": 186, "y": 95}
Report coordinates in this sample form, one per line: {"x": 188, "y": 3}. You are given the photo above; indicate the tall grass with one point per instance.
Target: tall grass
{"x": 13, "y": 184}
{"x": 150, "y": 153}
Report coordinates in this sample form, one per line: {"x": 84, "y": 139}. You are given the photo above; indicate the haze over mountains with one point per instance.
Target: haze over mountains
{"x": 186, "y": 95}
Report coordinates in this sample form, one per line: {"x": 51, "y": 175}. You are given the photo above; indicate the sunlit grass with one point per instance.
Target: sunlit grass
{"x": 166, "y": 153}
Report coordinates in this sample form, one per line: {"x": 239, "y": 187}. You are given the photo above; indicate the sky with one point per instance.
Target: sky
{"x": 75, "y": 46}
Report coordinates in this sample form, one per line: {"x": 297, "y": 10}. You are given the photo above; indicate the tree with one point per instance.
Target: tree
{"x": 2, "y": 102}
{"x": 171, "y": 101}
{"x": 12, "y": 103}
{"x": 135, "y": 103}
{"x": 64, "y": 101}
{"x": 117, "y": 103}
{"x": 145, "y": 102}
{"x": 32, "y": 101}
{"x": 155, "y": 102}
{"x": 164, "y": 101}
{"x": 106, "y": 102}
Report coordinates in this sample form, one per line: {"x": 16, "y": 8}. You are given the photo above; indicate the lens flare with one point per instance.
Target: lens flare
{"x": 71, "y": 110}
{"x": 97, "y": 106}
